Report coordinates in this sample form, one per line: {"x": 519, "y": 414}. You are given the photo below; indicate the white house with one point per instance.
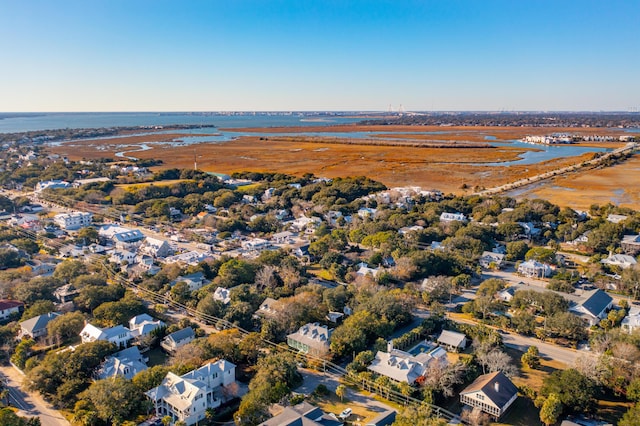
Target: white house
{"x": 222, "y": 294}
{"x": 177, "y": 339}
{"x": 73, "y": 221}
{"x": 452, "y": 217}
{"x": 37, "y": 326}
{"x": 119, "y": 335}
{"x": 8, "y": 307}
{"x": 311, "y": 338}
{"x": 492, "y": 393}
{"x": 126, "y": 363}
{"x": 630, "y": 244}
{"x": 364, "y": 270}
{"x": 144, "y": 325}
{"x": 533, "y": 268}
{"x": 616, "y": 218}
{"x": 194, "y": 281}
{"x": 155, "y": 248}
{"x": 52, "y": 184}
{"x": 188, "y": 397}
{"x": 404, "y": 367}
{"x": 593, "y": 306}
{"x": 622, "y": 260}
{"x": 490, "y": 258}
{"x": 452, "y": 340}
{"x": 632, "y": 321}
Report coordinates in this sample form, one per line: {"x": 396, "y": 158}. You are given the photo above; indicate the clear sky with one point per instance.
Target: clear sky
{"x": 211, "y": 55}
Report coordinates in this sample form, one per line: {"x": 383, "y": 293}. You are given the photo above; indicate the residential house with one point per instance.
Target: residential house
{"x": 410, "y": 229}
{"x": 624, "y": 261}
{"x": 507, "y": 294}
{"x": 189, "y": 258}
{"x": 285, "y": 237}
{"x": 39, "y": 268}
{"x": 402, "y": 366}
{"x": 269, "y": 308}
{"x": 155, "y": 248}
{"x": 452, "y": 217}
{"x": 630, "y": 244}
{"x": 580, "y": 240}
{"x": 66, "y": 293}
{"x": 386, "y": 418}
{"x": 51, "y": 184}
{"x": 490, "y": 259}
{"x": 366, "y": 212}
{"x": 126, "y": 363}
{"x": 119, "y": 335}
{"x": 222, "y": 295}
{"x": 188, "y": 397}
{"x": 529, "y": 229}
{"x": 37, "y": 326}
{"x": 616, "y": 218}
{"x": 631, "y": 322}
{"x": 311, "y": 339}
{"x": 121, "y": 236}
{"x": 452, "y": 340}
{"x": 364, "y": 270}
{"x": 533, "y": 268}
{"x": 121, "y": 257}
{"x": 177, "y": 339}
{"x": 73, "y": 221}
{"x": 592, "y": 306}
{"x": 303, "y": 414}
{"x": 9, "y": 308}
{"x": 143, "y": 325}
{"x": 194, "y": 281}
{"x": 491, "y": 393}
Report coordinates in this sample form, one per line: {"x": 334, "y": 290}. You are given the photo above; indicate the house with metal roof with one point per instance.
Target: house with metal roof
{"x": 592, "y": 306}
{"x": 188, "y": 397}
{"x": 126, "y": 363}
{"x": 452, "y": 340}
{"x": 624, "y": 261}
{"x": 118, "y": 335}
{"x": 143, "y": 325}
{"x": 194, "y": 281}
{"x": 37, "y": 326}
{"x": 402, "y": 366}
{"x": 533, "y": 268}
{"x": 303, "y": 414}
{"x": 491, "y": 393}
{"x": 177, "y": 339}
{"x": 311, "y": 339}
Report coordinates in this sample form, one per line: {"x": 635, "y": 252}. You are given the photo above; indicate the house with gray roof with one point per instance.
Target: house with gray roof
{"x": 492, "y": 393}
{"x": 452, "y": 340}
{"x": 177, "y": 339}
{"x": 37, "y": 326}
{"x": 118, "y": 335}
{"x": 592, "y": 306}
{"x": 311, "y": 339}
{"x": 126, "y": 363}
{"x": 624, "y": 261}
{"x": 143, "y": 325}
{"x": 402, "y": 366}
{"x": 303, "y": 414}
{"x": 188, "y": 397}
{"x": 194, "y": 281}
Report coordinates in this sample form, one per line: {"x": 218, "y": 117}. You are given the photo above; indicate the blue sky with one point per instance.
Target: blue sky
{"x": 148, "y": 55}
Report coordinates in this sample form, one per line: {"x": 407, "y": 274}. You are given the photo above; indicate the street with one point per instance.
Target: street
{"x": 30, "y": 404}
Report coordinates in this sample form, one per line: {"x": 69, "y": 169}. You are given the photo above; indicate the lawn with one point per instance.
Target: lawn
{"x": 332, "y": 404}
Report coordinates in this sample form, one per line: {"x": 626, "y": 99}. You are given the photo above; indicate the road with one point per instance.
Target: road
{"x": 30, "y": 404}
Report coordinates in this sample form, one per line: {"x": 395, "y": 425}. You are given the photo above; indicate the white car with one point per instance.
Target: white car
{"x": 345, "y": 414}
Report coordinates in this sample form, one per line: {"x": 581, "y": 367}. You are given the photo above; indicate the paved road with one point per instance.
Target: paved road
{"x": 312, "y": 378}
{"x": 30, "y": 404}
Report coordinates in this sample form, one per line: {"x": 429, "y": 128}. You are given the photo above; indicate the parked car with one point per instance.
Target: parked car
{"x": 345, "y": 414}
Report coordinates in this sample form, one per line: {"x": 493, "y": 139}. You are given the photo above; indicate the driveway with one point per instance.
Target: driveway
{"x": 30, "y": 404}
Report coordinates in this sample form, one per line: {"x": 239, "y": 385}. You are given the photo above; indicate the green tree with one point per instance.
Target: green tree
{"x": 531, "y": 358}
{"x": 341, "y": 392}
{"x": 575, "y": 390}
{"x": 633, "y": 390}
{"x": 631, "y": 417}
{"x": 114, "y": 399}
{"x": 39, "y": 307}
{"x": 68, "y": 270}
{"x": 66, "y": 325}
{"x": 551, "y": 409}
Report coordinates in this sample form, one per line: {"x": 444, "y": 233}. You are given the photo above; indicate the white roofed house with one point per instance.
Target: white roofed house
{"x": 119, "y": 335}
{"x": 452, "y": 217}
{"x": 223, "y": 295}
{"x": 155, "y": 248}
{"x": 533, "y": 268}
{"x": 452, "y": 340}
{"x": 143, "y": 325}
{"x": 73, "y": 221}
{"x": 616, "y": 218}
{"x": 402, "y": 366}
{"x": 311, "y": 339}
{"x": 630, "y": 244}
{"x": 364, "y": 270}
{"x": 490, "y": 259}
{"x": 491, "y": 393}
{"x": 188, "y": 397}
{"x": 624, "y": 261}
{"x": 631, "y": 322}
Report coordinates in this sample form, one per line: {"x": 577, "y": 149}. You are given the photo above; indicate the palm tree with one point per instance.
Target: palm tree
{"x": 341, "y": 392}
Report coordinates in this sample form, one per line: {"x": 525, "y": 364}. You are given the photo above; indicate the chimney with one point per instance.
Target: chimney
{"x": 389, "y": 346}
{"x": 496, "y": 387}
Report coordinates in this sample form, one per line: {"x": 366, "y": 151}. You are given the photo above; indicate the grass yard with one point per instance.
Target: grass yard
{"x": 332, "y": 404}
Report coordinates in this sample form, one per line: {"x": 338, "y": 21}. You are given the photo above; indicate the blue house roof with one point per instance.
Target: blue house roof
{"x": 597, "y": 302}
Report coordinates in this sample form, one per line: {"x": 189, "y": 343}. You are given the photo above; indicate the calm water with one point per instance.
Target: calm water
{"x": 93, "y": 120}
{"x": 213, "y": 122}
